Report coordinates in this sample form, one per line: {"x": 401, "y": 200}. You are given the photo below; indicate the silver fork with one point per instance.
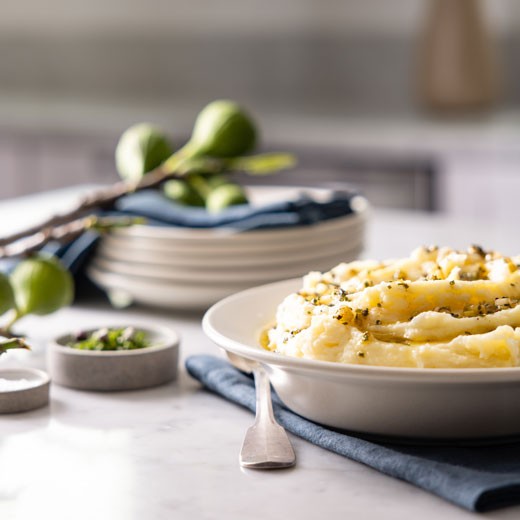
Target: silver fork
{"x": 266, "y": 444}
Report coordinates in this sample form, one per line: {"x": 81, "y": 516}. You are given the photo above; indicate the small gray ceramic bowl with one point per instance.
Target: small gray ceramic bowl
{"x": 33, "y": 394}
{"x": 116, "y": 369}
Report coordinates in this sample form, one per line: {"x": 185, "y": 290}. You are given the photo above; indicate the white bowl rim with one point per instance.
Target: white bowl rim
{"x": 210, "y": 326}
{"x": 171, "y": 340}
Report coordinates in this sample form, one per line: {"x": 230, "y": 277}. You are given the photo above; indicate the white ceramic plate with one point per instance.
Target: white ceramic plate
{"x": 208, "y": 274}
{"x": 404, "y": 402}
{"x": 220, "y": 242}
{"x": 142, "y": 250}
{"x": 219, "y": 237}
{"x": 179, "y": 291}
{"x": 160, "y": 293}
{"x": 241, "y": 260}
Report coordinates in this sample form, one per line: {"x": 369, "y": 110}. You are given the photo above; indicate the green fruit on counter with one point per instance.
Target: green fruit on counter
{"x": 182, "y": 192}
{"x": 224, "y": 196}
{"x": 41, "y": 286}
{"x": 140, "y": 149}
{"x": 7, "y": 301}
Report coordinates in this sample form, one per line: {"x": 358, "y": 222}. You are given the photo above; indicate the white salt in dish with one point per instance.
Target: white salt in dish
{"x": 23, "y": 389}
{"x": 7, "y": 385}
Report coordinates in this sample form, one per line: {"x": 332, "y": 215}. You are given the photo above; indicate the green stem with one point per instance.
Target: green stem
{"x": 185, "y": 162}
{"x": 104, "y": 224}
{"x": 174, "y": 162}
{"x": 12, "y": 343}
{"x": 200, "y": 184}
{"x": 262, "y": 164}
{"x": 15, "y": 316}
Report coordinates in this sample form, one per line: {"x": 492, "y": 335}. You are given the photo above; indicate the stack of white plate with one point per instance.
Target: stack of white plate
{"x": 187, "y": 268}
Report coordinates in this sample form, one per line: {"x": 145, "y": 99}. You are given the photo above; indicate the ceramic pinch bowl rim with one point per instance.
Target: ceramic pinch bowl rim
{"x": 392, "y": 402}
{"x": 116, "y": 370}
{"x": 28, "y": 398}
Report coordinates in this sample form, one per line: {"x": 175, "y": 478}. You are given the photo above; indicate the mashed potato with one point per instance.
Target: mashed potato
{"x": 439, "y": 308}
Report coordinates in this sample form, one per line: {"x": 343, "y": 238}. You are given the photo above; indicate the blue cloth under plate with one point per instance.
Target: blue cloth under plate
{"x": 478, "y": 477}
{"x": 160, "y": 211}
{"x": 303, "y": 210}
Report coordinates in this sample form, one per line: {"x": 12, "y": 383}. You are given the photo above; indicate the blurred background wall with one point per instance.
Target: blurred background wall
{"x": 319, "y": 56}
{"x": 338, "y": 74}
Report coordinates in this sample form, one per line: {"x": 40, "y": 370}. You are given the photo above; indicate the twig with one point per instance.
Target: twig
{"x": 7, "y": 334}
{"x": 100, "y": 198}
{"x": 13, "y": 342}
{"x": 65, "y": 233}
{"x": 105, "y": 197}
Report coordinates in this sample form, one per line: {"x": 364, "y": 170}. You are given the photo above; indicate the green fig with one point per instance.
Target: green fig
{"x": 41, "y": 286}
{"x": 224, "y": 196}
{"x": 183, "y": 192}
{"x": 140, "y": 149}
{"x": 222, "y": 129}
{"x": 205, "y": 184}
{"x": 6, "y": 294}
{"x": 214, "y": 181}
{"x": 194, "y": 189}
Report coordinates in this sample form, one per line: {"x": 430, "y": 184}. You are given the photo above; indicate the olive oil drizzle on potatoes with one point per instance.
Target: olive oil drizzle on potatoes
{"x": 435, "y": 297}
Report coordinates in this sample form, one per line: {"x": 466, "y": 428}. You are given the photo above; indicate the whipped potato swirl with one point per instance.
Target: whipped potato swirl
{"x": 438, "y": 308}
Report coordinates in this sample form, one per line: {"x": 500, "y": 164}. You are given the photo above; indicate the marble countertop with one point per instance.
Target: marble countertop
{"x": 172, "y": 451}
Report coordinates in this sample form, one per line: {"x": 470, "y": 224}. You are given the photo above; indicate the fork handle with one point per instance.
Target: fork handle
{"x": 264, "y": 406}
{"x": 266, "y": 445}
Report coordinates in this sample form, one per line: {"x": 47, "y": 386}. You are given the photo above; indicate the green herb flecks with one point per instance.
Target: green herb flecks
{"x": 126, "y": 338}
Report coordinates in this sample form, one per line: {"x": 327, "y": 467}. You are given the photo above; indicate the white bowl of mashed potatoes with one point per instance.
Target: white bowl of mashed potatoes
{"x": 427, "y": 346}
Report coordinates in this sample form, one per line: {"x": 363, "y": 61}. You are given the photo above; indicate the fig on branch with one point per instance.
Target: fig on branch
{"x": 41, "y": 285}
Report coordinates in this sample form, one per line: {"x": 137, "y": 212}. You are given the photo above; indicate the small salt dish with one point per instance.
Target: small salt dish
{"x": 112, "y": 370}
{"x": 23, "y": 389}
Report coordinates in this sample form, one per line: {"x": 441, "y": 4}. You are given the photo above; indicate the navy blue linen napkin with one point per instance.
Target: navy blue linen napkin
{"x": 160, "y": 211}
{"x": 303, "y": 210}
{"x": 475, "y": 477}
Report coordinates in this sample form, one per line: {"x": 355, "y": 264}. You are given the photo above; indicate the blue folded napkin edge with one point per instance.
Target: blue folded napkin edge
{"x": 472, "y": 489}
